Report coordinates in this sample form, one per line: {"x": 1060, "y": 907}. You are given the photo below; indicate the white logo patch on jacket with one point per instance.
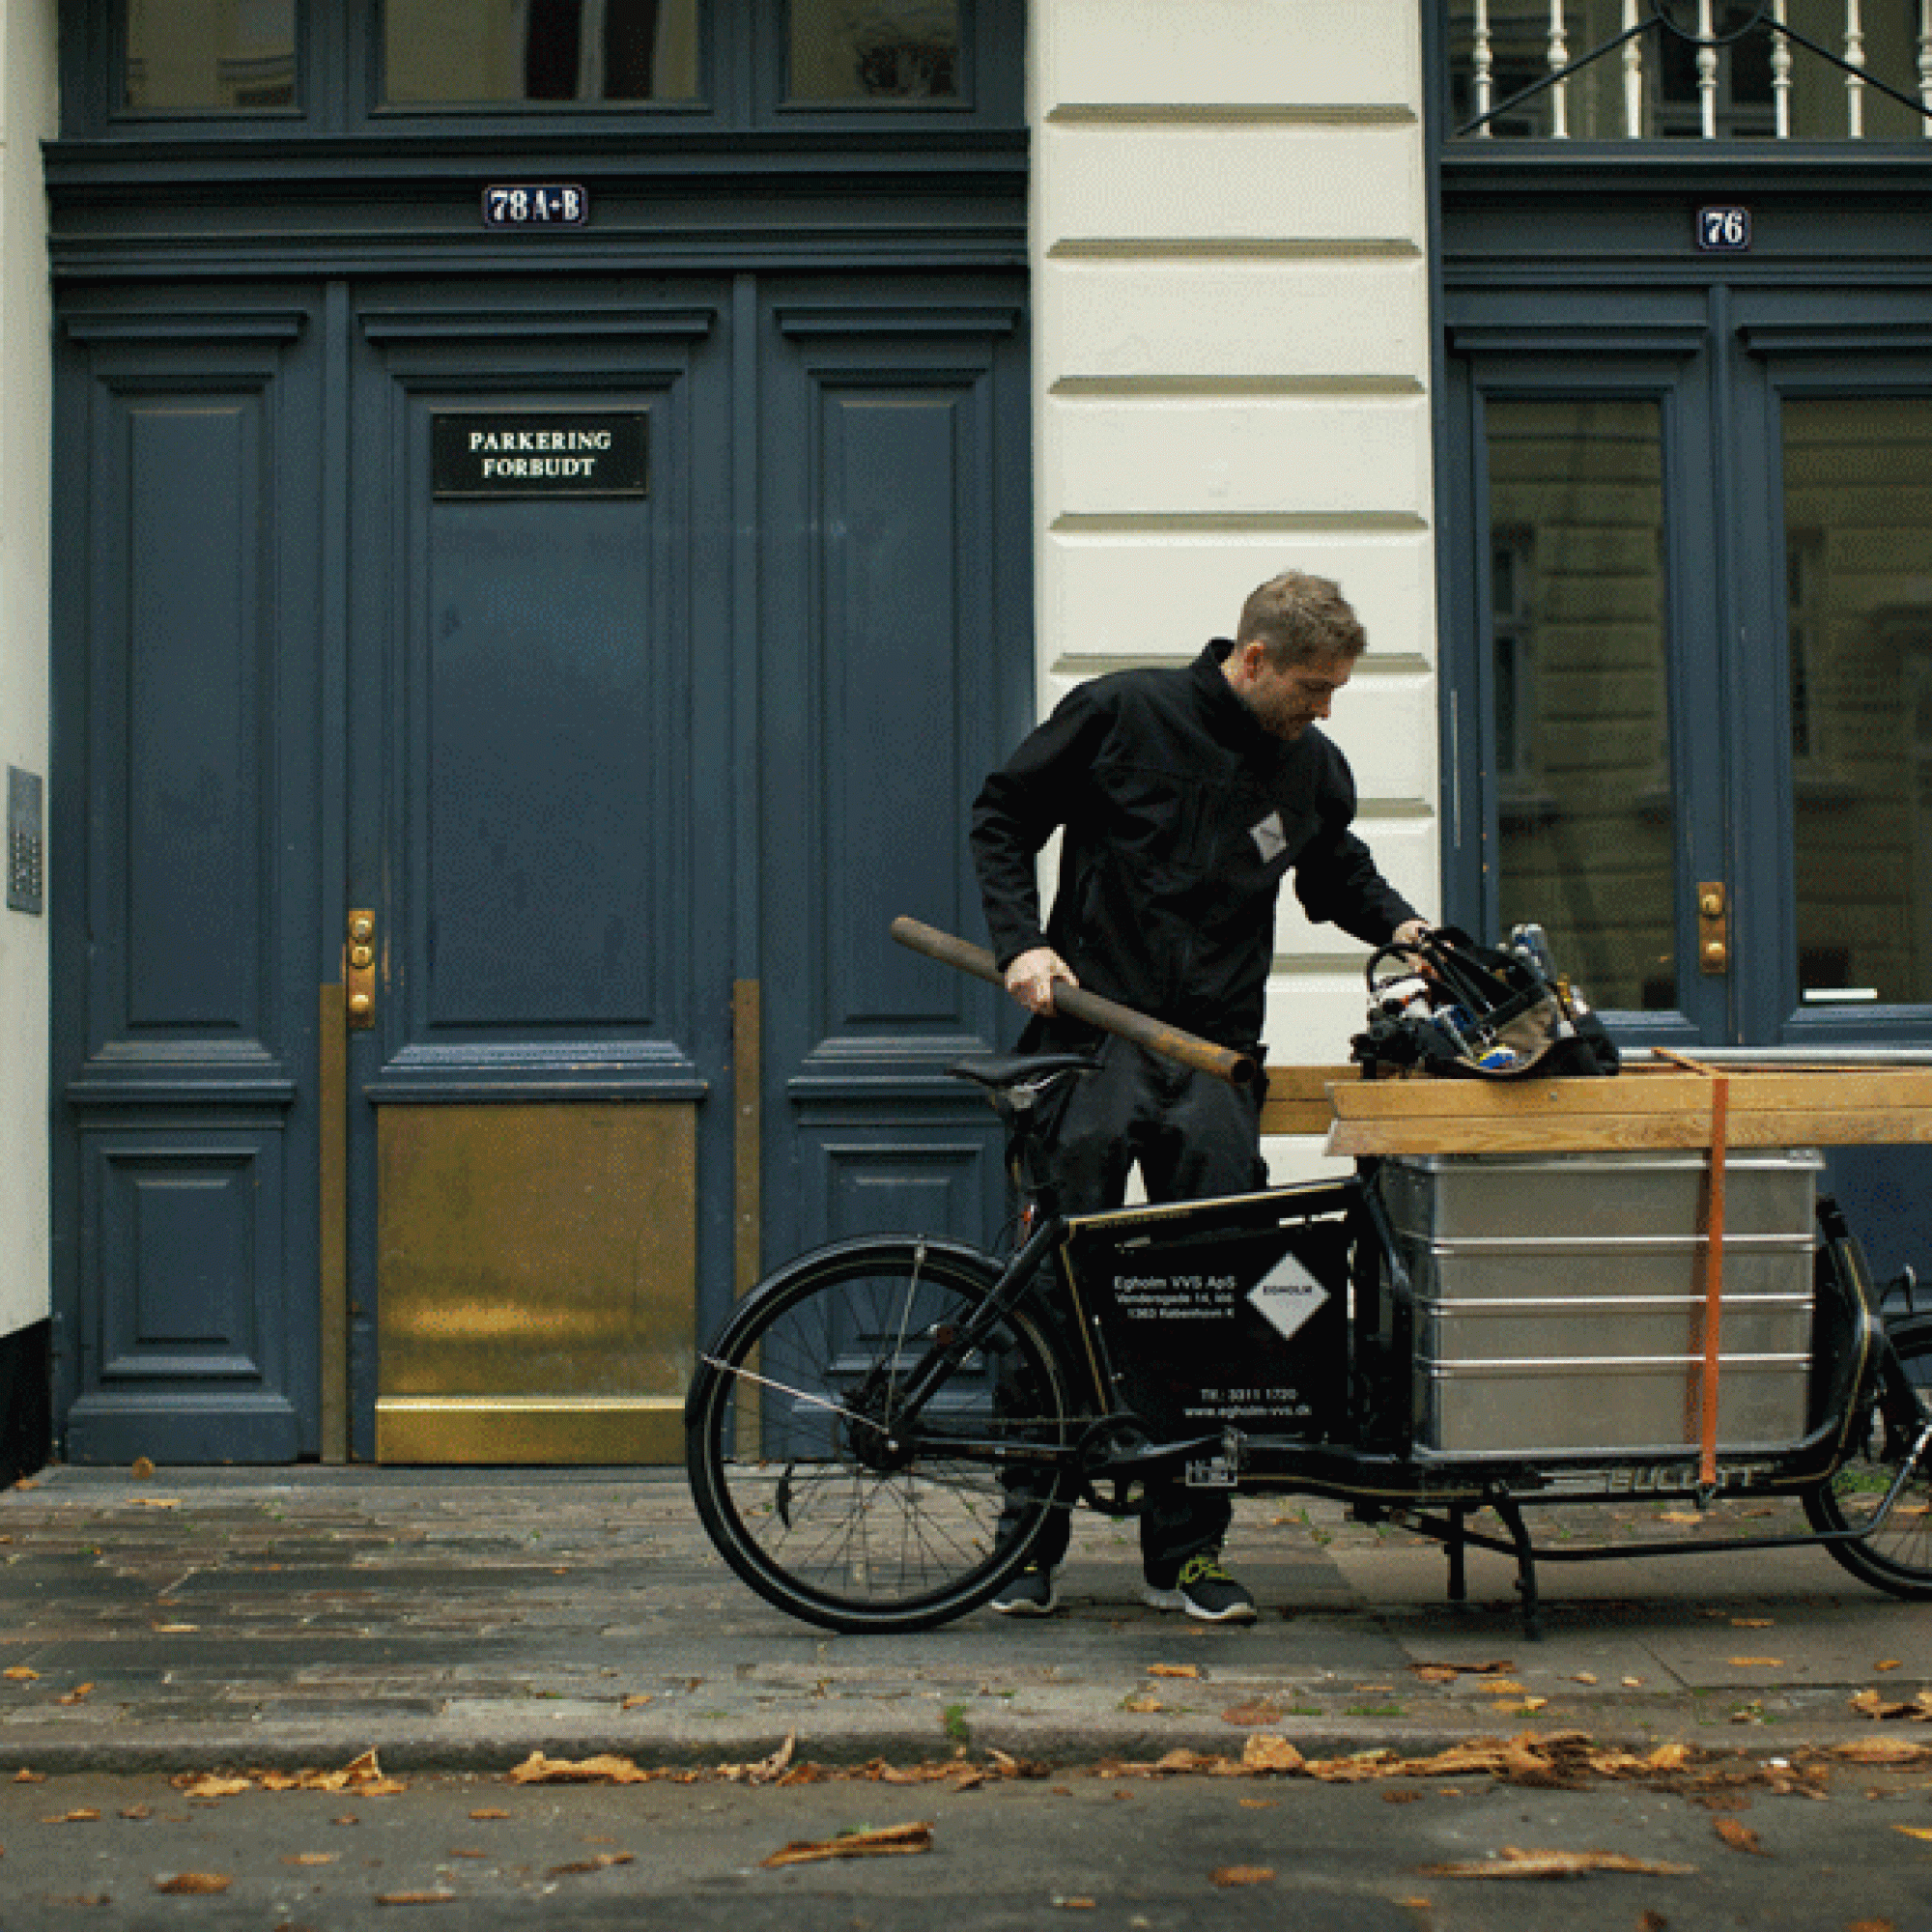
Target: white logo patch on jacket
{"x": 1270, "y": 837}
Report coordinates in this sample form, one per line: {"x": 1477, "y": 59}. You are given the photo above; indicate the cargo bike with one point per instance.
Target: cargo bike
{"x": 878, "y": 1433}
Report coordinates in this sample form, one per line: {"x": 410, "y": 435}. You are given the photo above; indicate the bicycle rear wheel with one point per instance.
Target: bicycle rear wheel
{"x": 813, "y": 1483}
{"x": 1899, "y": 1558}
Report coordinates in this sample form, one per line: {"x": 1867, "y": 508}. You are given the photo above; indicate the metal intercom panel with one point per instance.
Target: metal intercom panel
{"x": 26, "y": 847}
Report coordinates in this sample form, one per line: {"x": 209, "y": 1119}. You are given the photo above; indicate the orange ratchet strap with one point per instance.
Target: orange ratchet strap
{"x": 1713, "y": 1231}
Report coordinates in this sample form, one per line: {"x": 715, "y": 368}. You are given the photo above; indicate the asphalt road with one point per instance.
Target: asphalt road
{"x": 1127, "y": 1853}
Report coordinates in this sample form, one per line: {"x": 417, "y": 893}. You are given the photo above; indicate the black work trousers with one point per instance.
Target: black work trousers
{"x": 1194, "y": 1137}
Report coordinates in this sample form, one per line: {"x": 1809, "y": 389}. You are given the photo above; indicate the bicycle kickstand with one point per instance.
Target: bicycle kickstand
{"x": 1504, "y": 1505}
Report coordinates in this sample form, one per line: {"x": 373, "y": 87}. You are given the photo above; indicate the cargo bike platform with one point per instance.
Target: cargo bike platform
{"x": 1539, "y": 1293}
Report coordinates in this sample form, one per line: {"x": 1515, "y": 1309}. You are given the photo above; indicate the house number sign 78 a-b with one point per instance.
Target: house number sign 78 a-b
{"x": 535, "y": 205}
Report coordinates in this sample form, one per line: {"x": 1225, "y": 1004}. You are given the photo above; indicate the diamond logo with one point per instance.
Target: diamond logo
{"x": 1286, "y": 1298}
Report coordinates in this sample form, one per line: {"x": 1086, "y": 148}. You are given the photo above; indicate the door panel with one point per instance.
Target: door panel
{"x": 895, "y": 470}
{"x": 545, "y": 849}
{"x": 185, "y": 1022}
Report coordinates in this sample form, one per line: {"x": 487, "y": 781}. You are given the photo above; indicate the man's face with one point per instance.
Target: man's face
{"x": 1285, "y": 702}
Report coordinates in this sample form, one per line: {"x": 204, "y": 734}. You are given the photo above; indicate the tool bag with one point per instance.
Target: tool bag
{"x": 1478, "y": 1012}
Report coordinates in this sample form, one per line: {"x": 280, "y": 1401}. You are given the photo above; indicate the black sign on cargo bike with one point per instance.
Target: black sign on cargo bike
{"x": 858, "y": 1424}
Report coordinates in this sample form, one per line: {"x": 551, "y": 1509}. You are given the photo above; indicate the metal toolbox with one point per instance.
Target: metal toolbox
{"x": 1558, "y": 1300}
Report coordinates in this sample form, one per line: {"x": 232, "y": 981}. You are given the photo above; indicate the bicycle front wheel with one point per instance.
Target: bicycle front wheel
{"x": 1899, "y": 1557}
{"x": 818, "y": 1489}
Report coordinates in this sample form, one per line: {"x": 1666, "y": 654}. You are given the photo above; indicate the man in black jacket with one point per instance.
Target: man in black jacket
{"x": 1184, "y": 798}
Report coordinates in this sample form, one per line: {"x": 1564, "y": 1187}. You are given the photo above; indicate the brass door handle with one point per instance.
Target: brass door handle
{"x": 358, "y": 969}
{"x": 1713, "y": 927}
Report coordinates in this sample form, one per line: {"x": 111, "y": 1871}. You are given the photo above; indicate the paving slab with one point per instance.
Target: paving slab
{"x": 463, "y": 1619}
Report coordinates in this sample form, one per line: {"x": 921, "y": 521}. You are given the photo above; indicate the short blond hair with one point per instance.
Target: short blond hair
{"x": 1297, "y": 618}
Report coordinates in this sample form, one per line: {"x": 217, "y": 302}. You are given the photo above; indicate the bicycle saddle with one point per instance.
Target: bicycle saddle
{"x": 997, "y": 1070}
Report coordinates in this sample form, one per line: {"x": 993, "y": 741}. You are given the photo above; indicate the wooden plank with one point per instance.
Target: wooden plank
{"x": 1649, "y": 1105}
{"x": 1828, "y": 1091}
{"x": 1298, "y": 1098}
{"x": 1688, "y": 1127}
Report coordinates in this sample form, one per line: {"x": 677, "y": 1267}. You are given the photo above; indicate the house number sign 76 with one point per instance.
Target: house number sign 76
{"x": 1723, "y": 231}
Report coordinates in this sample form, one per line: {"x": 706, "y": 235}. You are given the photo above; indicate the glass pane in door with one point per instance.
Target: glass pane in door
{"x": 1579, "y": 696}
{"x": 1858, "y": 554}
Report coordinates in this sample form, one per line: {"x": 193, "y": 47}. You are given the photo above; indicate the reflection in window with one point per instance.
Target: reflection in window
{"x": 1578, "y": 691}
{"x": 875, "y": 50}
{"x": 1858, "y": 513}
{"x": 507, "y": 51}
{"x": 230, "y": 56}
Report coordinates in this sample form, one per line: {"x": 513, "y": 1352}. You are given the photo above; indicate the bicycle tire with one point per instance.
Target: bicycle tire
{"x": 787, "y": 1456}
{"x": 1899, "y": 1560}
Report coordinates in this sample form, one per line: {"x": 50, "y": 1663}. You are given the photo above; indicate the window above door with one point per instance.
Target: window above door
{"x": 201, "y": 67}
{"x": 1657, "y": 71}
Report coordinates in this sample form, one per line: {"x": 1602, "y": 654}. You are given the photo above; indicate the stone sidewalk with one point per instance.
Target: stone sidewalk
{"x": 289, "y": 1618}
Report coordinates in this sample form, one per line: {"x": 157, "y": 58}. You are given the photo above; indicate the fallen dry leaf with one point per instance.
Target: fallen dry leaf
{"x": 194, "y": 1882}
{"x": 1582, "y": 1677}
{"x": 1740, "y": 1837}
{"x": 1174, "y": 1670}
{"x": 1263, "y": 1752}
{"x": 158, "y": 1502}
{"x": 489, "y": 1812}
{"x": 606, "y": 1769}
{"x": 79, "y": 1695}
{"x": 1886, "y": 1664}
{"x": 81, "y": 1817}
{"x": 1879, "y": 1750}
{"x": 1915, "y": 1830}
{"x": 1631, "y": 1683}
{"x": 310, "y": 1857}
{"x": 635, "y": 1701}
{"x": 209, "y": 1785}
{"x": 1515, "y": 1862}
{"x": 415, "y": 1897}
{"x": 143, "y": 1468}
{"x": 887, "y": 1841}
{"x": 1071, "y": 1904}
{"x": 1442, "y": 1673}
{"x": 1752, "y": 1623}
{"x": 1226, "y": 1875}
{"x": 18, "y": 1673}
{"x": 1141, "y": 1701}
{"x": 603, "y": 1861}
{"x": 1262, "y": 1712}
{"x": 1757, "y": 1664}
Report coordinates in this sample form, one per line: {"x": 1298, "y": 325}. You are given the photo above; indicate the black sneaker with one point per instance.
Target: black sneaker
{"x": 1206, "y": 1592}
{"x": 1030, "y": 1594}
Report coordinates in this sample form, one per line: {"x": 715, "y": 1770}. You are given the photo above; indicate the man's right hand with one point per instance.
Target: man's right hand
{"x": 1030, "y": 978}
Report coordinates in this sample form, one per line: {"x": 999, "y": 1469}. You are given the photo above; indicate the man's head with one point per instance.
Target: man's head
{"x": 1295, "y": 648}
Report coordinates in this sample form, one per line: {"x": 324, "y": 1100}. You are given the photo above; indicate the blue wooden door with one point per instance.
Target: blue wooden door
{"x": 635, "y": 785}
{"x": 1690, "y": 715}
